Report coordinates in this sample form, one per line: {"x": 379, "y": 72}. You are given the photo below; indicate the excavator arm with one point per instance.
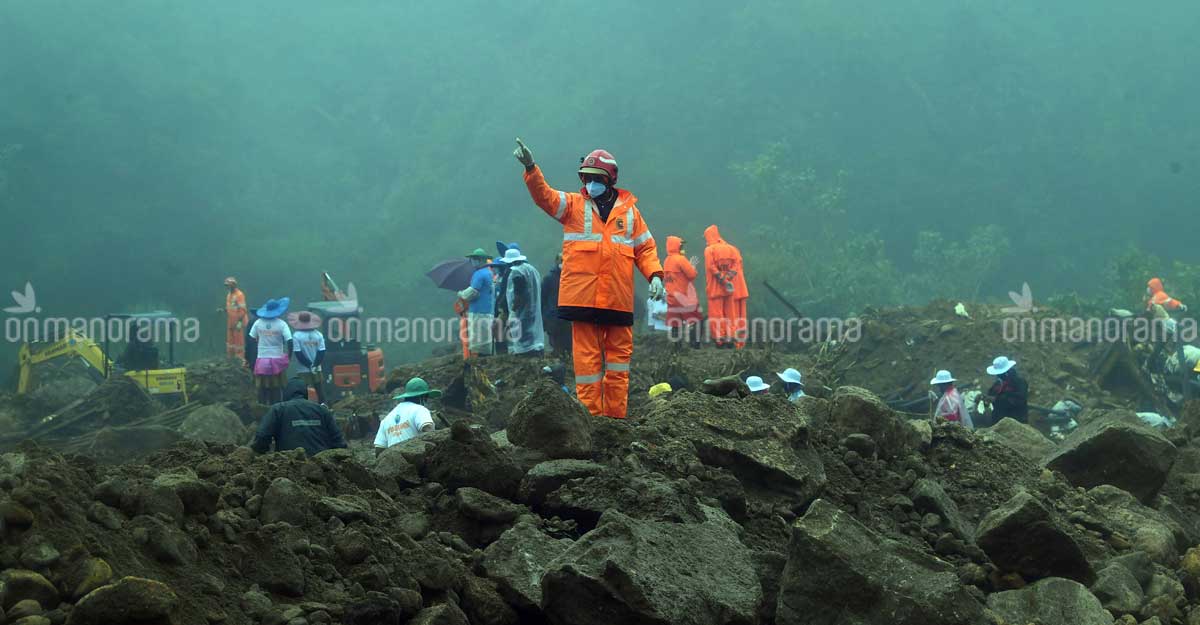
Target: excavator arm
{"x": 73, "y": 345}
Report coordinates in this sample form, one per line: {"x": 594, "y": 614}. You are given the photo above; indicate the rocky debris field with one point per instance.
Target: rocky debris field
{"x": 521, "y": 508}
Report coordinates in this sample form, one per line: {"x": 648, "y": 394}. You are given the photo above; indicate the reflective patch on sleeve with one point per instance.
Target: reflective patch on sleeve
{"x": 642, "y": 238}
{"x": 562, "y": 206}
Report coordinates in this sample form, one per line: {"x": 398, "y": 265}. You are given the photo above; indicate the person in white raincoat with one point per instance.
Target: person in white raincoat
{"x": 525, "y": 332}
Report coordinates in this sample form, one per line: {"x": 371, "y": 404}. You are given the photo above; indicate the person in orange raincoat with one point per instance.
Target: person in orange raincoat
{"x": 236, "y": 319}
{"x": 1157, "y": 296}
{"x": 725, "y": 282}
{"x": 683, "y": 303}
{"x": 604, "y": 238}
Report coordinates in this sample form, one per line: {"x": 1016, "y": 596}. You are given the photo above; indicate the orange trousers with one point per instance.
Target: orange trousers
{"x": 235, "y": 343}
{"x": 727, "y": 320}
{"x": 602, "y": 354}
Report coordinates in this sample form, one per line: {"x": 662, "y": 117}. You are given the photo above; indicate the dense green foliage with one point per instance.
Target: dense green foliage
{"x": 860, "y": 152}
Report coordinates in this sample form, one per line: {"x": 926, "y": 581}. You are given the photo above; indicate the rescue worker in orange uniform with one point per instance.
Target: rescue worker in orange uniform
{"x": 236, "y": 319}
{"x": 725, "y": 283}
{"x": 683, "y": 303}
{"x": 1157, "y": 296}
{"x": 604, "y": 238}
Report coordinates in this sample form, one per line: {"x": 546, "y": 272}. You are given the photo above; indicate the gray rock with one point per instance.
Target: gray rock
{"x": 649, "y": 498}
{"x": 856, "y": 410}
{"x": 197, "y": 495}
{"x": 481, "y": 506}
{"x": 1022, "y": 536}
{"x": 18, "y": 585}
{"x": 284, "y": 502}
{"x": 129, "y": 600}
{"x": 105, "y": 516}
{"x": 392, "y": 464}
{"x": 929, "y": 497}
{"x": 839, "y": 571}
{"x": 1019, "y": 437}
{"x": 348, "y": 508}
{"x": 632, "y": 571}
{"x": 483, "y": 605}
{"x": 517, "y": 562}
{"x": 375, "y": 608}
{"x": 444, "y": 614}
{"x": 1051, "y": 601}
{"x": 1151, "y": 531}
{"x": 547, "y": 477}
{"x": 470, "y": 458}
{"x": 165, "y": 543}
{"x": 551, "y": 422}
{"x": 860, "y": 443}
{"x": 1118, "y": 590}
{"x": 214, "y": 424}
{"x": 23, "y": 608}
{"x": 1131, "y": 457}
{"x": 39, "y": 555}
{"x": 1138, "y": 563}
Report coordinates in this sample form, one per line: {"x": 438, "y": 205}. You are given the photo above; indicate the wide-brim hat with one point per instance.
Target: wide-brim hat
{"x": 790, "y": 375}
{"x": 756, "y": 384}
{"x": 417, "y": 387}
{"x": 296, "y": 320}
{"x": 513, "y": 255}
{"x": 942, "y": 377}
{"x": 273, "y": 308}
{"x": 231, "y": 281}
{"x": 1001, "y": 365}
{"x": 479, "y": 253}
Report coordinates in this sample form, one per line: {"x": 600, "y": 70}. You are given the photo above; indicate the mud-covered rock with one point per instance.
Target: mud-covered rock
{"x": 214, "y": 424}
{"x": 470, "y": 458}
{"x": 481, "y": 506}
{"x": 764, "y": 441}
{"x": 376, "y": 608}
{"x": 197, "y": 495}
{"x": 551, "y": 422}
{"x": 855, "y": 410}
{"x": 444, "y": 614}
{"x": 632, "y": 571}
{"x": 650, "y": 497}
{"x": 1149, "y": 530}
{"x": 130, "y": 600}
{"x": 1051, "y": 601}
{"x": 19, "y": 585}
{"x": 517, "y": 562}
{"x": 547, "y": 477}
{"x": 1022, "y": 536}
{"x": 284, "y": 502}
{"x": 1131, "y": 457}
{"x": 840, "y": 571}
{"x": 1021, "y": 438}
{"x": 89, "y": 575}
{"x": 483, "y": 605}
{"x": 929, "y": 497}
{"x": 391, "y": 464}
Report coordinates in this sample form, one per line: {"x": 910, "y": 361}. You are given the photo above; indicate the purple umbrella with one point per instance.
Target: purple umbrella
{"x": 452, "y": 275}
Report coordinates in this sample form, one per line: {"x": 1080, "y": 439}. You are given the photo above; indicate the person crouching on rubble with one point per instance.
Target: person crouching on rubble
{"x": 950, "y": 404}
{"x": 410, "y": 417}
{"x": 296, "y": 422}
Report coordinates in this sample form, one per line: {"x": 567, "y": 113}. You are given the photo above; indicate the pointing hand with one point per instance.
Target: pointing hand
{"x": 523, "y": 154}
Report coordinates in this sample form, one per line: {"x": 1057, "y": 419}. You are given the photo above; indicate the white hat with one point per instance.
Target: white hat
{"x": 942, "y": 377}
{"x": 790, "y": 375}
{"x": 512, "y": 255}
{"x": 756, "y": 384}
{"x": 1000, "y": 365}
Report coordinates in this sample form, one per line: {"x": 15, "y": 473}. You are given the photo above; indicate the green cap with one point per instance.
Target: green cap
{"x": 417, "y": 387}
{"x": 478, "y": 253}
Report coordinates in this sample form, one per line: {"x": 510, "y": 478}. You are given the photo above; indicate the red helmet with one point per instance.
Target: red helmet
{"x": 599, "y": 162}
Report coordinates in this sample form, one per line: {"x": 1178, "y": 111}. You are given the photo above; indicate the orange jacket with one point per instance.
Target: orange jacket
{"x": 235, "y": 308}
{"x": 723, "y": 264}
{"x": 678, "y": 274}
{"x": 598, "y": 257}
{"x": 1159, "y": 296}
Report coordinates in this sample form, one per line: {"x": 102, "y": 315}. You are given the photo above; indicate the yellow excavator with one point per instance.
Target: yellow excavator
{"x": 139, "y": 362}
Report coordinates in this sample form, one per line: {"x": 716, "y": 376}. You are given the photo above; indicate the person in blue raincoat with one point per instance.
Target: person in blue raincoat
{"x": 523, "y": 296}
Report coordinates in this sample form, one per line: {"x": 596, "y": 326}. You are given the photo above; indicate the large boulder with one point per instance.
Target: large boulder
{"x": 283, "y": 502}
{"x": 391, "y": 464}
{"x": 632, "y": 571}
{"x": 1051, "y": 601}
{"x": 763, "y": 441}
{"x": 839, "y": 571}
{"x": 652, "y": 497}
{"x": 857, "y": 410}
{"x": 552, "y": 422}
{"x": 547, "y": 477}
{"x": 929, "y": 497}
{"x": 214, "y": 424}
{"x": 1022, "y": 536}
{"x": 1019, "y": 437}
{"x": 130, "y": 600}
{"x": 197, "y": 495}
{"x": 1129, "y": 456}
{"x": 1149, "y": 530}
{"x": 1118, "y": 590}
{"x": 19, "y": 585}
{"x": 517, "y": 562}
